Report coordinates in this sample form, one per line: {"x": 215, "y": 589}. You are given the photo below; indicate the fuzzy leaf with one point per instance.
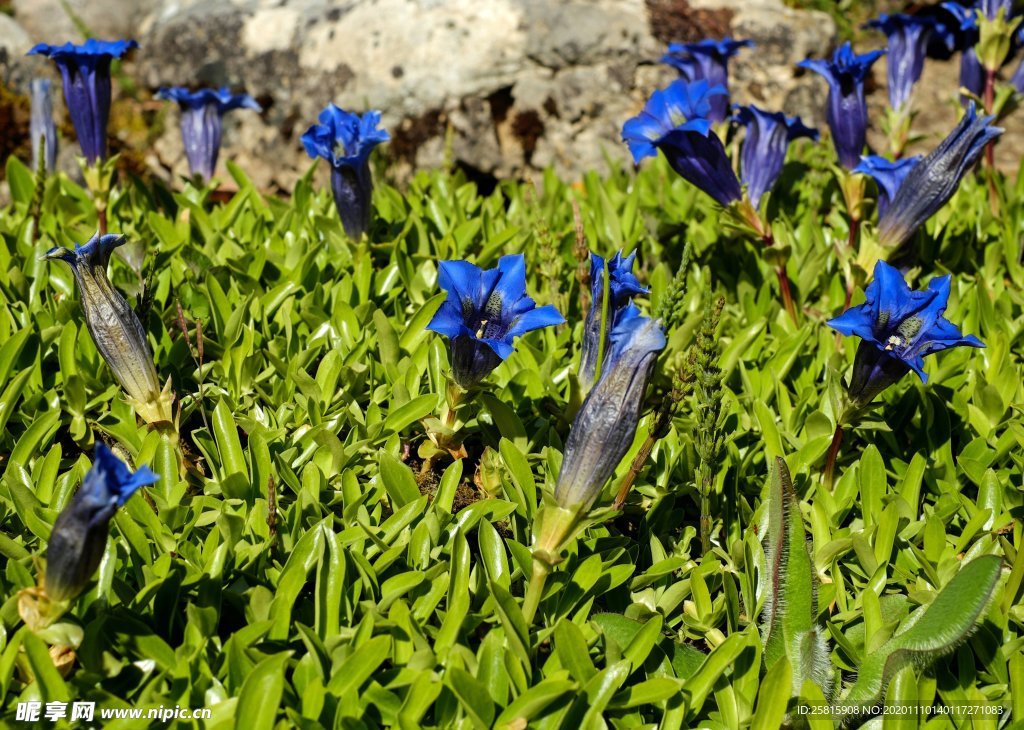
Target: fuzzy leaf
{"x": 931, "y": 631}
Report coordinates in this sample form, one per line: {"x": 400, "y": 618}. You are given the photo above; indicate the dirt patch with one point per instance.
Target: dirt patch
{"x": 675, "y": 21}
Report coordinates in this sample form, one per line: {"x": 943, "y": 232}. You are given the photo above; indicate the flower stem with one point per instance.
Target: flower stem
{"x": 833, "y": 454}
{"x": 535, "y": 590}
{"x": 634, "y": 470}
{"x": 705, "y": 521}
{"x": 787, "y": 294}
{"x": 101, "y": 220}
{"x": 785, "y": 290}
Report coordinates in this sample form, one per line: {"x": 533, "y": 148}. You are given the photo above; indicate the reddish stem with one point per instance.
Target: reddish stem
{"x": 833, "y": 455}
{"x": 989, "y": 99}
{"x": 634, "y": 470}
{"x": 787, "y": 294}
{"x": 785, "y": 290}
{"x": 101, "y": 221}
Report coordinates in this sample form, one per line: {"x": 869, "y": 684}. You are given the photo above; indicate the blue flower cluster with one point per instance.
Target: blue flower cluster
{"x": 487, "y": 310}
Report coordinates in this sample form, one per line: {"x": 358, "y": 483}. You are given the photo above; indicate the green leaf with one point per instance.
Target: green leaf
{"x": 260, "y": 697}
{"x": 472, "y": 696}
{"x": 398, "y": 480}
{"x": 773, "y": 696}
{"x": 930, "y": 632}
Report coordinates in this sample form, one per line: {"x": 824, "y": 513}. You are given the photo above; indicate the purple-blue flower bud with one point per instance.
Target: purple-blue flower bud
{"x": 79, "y": 535}
{"x": 606, "y": 423}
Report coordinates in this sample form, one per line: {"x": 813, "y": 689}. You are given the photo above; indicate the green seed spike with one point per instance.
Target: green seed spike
{"x": 931, "y": 632}
{"x": 790, "y": 628}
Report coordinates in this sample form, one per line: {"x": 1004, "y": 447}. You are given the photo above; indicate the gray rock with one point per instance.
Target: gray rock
{"x": 521, "y": 83}
{"x": 14, "y": 43}
{"x": 515, "y": 85}
{"x": 46, "y": 21}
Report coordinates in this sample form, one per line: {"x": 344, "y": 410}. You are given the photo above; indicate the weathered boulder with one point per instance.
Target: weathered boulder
{"x": 503, "y": 86}
{"x": 48, "y": 21}
{"x": 520, "y": 83}
{"x": 14, "y": 43}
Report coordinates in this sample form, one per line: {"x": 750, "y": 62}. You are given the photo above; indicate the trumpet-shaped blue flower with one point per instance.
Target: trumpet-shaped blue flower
{"x": 79, "y": 535}
{"x": 114, "y": 327}
{"x": 957, "y": 30}
{"x": 201, "y": 116}
{"x": 85, "y": 69}
{"x": 707, "y": 60}
{"x": 887, "y": 174}
{"x": 484, "y": 312}
{"x": 346, "y": 140}
{"x": 898, "y": 327}
{"x": 622, "y": 287}
{"x": 932, "y": 181}
{"x": 42, "y": 130}
{"x": 847, "y": 110}
{"x": 764, "y": 149}
{"x": 675, "y": 120}
{"x": 606, "y": 423}
{"x": 972, "y": 73}
{"x": 908, "y": 37}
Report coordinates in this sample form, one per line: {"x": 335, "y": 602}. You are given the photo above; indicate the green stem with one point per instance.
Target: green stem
{"x": 535, "y": 590}
{"x": 833, "y": 455}
{"x": 705, "y": 512}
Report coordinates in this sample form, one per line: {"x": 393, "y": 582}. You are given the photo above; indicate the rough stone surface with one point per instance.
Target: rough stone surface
{"x": 14, "y": 43}
{"x": 514, "y": 85}
{"x": 46, "y": 21}
{"x": 521, "y": 83}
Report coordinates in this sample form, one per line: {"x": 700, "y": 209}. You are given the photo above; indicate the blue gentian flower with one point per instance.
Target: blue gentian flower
{"x": 85, "y": 69}
{"x": 484, "y": 313}
{"x": 707, "y": 60}
{"x": 201, "y": 114}
{"x": 675, "y": 120}
{"x": 764, "y": 149}
{"x": 114, "y": 327}
{"x": 42, "y": 130}
{"x": 887, "y": 174}
{"x": 606, "y": 423}
{"x": 898, "y": 327}
{"x": 79, "y": 535}
{"x": 957, "y": 30}
{"x": 622, "y": 287}
{"x": 847, "y": 111}
{"x": 933, "y": 181}
{"x": 346, "y": 141}
{"x": 908, "y": 37}
{"x": 972, "y": 73}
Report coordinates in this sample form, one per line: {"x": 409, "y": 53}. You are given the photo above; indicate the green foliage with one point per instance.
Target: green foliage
{"x": 792, "y": 635}
{"x": 299, "y": 565}
{"x": 929, "y": 632}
